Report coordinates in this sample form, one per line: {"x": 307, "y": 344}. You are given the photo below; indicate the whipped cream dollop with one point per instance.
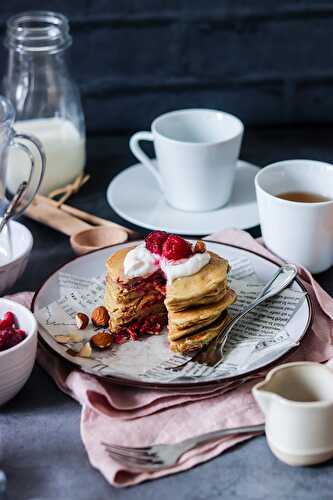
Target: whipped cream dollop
{"x": 184, "y": 267}
{"x": 141, "y": 262}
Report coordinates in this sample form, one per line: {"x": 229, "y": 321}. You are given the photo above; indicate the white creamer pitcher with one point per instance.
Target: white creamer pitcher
{"x": 297, "y": 400}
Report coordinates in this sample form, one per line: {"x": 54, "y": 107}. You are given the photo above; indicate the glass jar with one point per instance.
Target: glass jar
{"x": 45, "y": 97}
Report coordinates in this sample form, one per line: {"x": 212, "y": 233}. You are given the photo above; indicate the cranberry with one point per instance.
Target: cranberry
{"x": 16, "y": 337}
{"x": 176, "y": 248}
{"x": 7, "y": 321}
{"x": 154, "y": 241}
{"x": 4, "y": 339}
{"x": 9, "y": 334}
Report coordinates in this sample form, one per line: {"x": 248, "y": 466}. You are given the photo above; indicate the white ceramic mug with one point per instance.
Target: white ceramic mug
{"x": 296, "y": 231}
{"x": 197, "y": 152}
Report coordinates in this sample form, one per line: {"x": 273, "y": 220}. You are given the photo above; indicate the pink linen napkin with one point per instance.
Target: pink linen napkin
{"x": 137, "y": 417}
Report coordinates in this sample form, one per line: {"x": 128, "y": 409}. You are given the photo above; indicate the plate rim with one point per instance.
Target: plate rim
{"x": 172, "y": 386}
{"x": 130, "y": 219}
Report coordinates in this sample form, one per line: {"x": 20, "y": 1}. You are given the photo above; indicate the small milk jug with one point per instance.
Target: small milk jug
{"x": 297, "y": 400}
{"x": 45, "y": 97}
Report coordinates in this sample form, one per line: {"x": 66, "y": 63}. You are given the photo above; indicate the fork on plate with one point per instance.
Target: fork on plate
{"x": 212, "y": 354}
{"x": 163, "y": 456}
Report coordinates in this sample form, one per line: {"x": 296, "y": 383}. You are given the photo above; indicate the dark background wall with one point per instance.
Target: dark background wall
{"x": 268, "y": 61}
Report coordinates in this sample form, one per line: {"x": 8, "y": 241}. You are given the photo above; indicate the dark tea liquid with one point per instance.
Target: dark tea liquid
{"x": 303, "y": 197}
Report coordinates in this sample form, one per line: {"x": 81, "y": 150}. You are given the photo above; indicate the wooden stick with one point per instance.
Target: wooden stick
{"x": 52, "y": 216}
{"x": 86, "y": 216}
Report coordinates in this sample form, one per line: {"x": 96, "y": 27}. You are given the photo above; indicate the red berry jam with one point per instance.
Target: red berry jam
{"x": 176, "y": 248}
{"x": 154, "y": 241}
{"x": 10, "y": 334}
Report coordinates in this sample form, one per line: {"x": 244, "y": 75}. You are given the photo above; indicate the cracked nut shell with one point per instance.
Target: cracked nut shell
{"x": 81, "y": 320}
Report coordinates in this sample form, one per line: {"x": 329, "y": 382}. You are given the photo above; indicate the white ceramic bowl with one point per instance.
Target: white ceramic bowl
{"x": 22, "y": 242}
{"x": 17, "y": 362}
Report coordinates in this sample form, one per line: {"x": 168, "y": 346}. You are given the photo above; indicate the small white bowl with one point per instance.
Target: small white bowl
{"x": 16, "y": 363}
{"x": 22, "y": 242}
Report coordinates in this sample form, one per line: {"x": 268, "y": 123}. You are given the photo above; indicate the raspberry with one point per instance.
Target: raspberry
{"x": 154, "y": 241}
{"x": 4, "y": 339}
{"x": 176, "y": 248}
{"x": 7, "y": 321}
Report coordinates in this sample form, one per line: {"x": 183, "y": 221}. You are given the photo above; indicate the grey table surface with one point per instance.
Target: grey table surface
{"x": 42, "y": 453}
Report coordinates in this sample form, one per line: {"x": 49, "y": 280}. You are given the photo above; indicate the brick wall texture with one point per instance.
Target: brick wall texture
{"x": 268, "y": 61}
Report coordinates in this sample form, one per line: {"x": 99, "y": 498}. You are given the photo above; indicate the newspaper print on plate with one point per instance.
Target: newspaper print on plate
{"x": 263, "y": 331}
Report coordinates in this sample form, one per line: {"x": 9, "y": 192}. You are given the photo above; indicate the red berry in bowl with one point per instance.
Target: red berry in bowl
{"x": 9, "y": 334}
{"x": 176, "y": 248}
{"x": 7, "y": 321}
{"x": 4, "y": 339}
{"x": 16, "y": 337}
{"x": 155, "y": 240}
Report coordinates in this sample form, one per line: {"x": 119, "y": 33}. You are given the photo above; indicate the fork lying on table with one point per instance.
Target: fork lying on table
{"x": 162, "y": 456}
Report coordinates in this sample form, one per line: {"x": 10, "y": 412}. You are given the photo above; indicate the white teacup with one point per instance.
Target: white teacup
{"x": 296, "y": 231}
{"x": 197, "y": 152}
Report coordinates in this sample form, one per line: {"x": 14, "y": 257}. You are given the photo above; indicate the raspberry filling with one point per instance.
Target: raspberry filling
{"x": 155, "y": 281}
{"x": 153, "y": 325}
{"x": 10, "y": 334}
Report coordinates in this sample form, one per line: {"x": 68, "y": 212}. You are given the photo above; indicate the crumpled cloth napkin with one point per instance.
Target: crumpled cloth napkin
{"x": 137, "y": 417}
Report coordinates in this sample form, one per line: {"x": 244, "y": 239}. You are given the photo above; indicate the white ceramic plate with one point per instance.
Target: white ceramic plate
{"x": 93, "y": 264}
{"x": 135, "y": 195}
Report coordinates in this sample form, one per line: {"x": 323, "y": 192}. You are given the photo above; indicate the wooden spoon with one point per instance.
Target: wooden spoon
{"x": 97, "y": 237}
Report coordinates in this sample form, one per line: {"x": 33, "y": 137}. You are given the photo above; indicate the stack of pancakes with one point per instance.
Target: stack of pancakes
{"x": 132, "y": 299}
{"x": 195, "y": 306}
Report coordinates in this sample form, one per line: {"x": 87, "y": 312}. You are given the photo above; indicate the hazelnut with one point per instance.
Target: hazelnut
{"x": 82, "y": 321}
{"x": 102, "y": 340}
{"x": 100, "y": 316}
{"x": 199, "y": 247}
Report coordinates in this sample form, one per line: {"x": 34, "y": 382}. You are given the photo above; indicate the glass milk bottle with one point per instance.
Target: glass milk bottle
{"x": 45, "y": 97}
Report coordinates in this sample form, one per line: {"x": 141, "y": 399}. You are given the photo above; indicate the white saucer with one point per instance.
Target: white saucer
{"x": 135, "y": 195}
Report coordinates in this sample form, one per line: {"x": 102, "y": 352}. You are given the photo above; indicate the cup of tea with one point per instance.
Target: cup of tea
{"x": 197, "y": 152}
{"x": 295, "y": 203}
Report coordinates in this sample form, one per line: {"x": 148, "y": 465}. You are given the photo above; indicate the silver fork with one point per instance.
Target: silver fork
{"x": 162, "y": 456}
{"x": 212, "y": 354}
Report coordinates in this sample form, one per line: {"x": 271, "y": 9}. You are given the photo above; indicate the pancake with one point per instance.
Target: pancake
{"x": 118, "y": 319}
{"x": 186, "y": 322}
{"x": 196, "y": 305}
{"x": 198, "y": 340}
{"x": 113, "y": 304}
{"x": 210, "y": 298}
{"x": 115, "y": 265}
{"x": 204, "y": 287}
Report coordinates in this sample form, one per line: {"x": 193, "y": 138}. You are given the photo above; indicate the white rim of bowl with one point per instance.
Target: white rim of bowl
{"x": 23, "y": 252}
